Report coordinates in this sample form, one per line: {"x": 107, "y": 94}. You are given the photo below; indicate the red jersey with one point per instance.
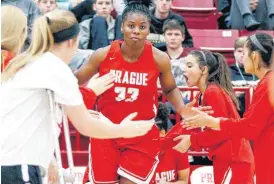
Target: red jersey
{"x": 236, "y": 149}
{"x": 135, "y": 86}
{"x": 258, "y": 125}
{"x": 6, "y": 56}
{"x": 171, "y": 162}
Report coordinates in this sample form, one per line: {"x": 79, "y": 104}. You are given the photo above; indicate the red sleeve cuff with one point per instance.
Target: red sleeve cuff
{"x": 225, "y": 126}
{"x": 89, "y": 97}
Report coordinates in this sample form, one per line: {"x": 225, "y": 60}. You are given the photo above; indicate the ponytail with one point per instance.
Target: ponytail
{"x": 218, "y": 71}
{"x": 222, "y": 77}
{"x": 42, "y": 42}
{"x": 42, "y": 39}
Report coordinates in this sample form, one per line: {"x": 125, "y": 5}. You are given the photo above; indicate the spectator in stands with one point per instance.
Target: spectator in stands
{"x": 119, "y": 6}
{"x": 173, "y": 166}
{"x": 31, "y": 11}
{"x": 98, "y": 32}
{"x": 79, "y": 58}
{"x": 237, "y": 72}
{"x": 83, "y": 10}
{"x": 74, "y": 3}
{"x": 252, "y": 14}
{"x": 160, "y": 14}
{"x": 46, "y": 6}
{"x": 13, "y": 33}
{"x": 174, "y": 34}
{"x": 224, "y": 20}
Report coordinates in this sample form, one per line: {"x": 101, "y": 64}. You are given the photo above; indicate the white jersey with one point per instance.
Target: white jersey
{"x": 26, "y": 131}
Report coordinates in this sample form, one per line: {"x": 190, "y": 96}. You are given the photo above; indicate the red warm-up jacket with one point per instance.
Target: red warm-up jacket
{"x": 257, "y": 125}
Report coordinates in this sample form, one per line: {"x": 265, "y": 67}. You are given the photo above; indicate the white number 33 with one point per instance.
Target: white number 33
{"x": 127, "y": 94}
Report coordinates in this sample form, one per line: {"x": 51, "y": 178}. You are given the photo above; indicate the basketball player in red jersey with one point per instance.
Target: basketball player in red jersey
{"x": 137, "y": 66}
{"x": 257, "y": 123}
{"x": 210, "y": 73}
{"x": 271, "y": 82}
{"x": 173, "y": 166}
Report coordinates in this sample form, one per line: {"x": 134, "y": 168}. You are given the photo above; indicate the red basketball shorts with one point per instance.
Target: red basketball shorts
{"x": 135, "y": 159}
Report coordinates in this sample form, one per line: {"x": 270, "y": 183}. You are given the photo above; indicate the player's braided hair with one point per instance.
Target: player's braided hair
{"x": 137, "y": 6}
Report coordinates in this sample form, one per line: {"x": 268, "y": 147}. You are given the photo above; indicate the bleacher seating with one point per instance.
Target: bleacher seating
{"x": 221, "y": 41}
{"x": 198, "y": 14}
{"x": 249, "y": 33}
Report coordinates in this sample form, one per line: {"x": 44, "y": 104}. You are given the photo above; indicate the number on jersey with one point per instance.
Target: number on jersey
{"x": 127, "y": 94}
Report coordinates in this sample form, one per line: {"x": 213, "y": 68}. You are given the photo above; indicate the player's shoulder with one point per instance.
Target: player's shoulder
{"x": 213, "y": 86}
{"x": 161, "y": 59}
{"x": 214, "y": 90}
{"x": 159, "y": 55}
{"x": 101, "y": 53}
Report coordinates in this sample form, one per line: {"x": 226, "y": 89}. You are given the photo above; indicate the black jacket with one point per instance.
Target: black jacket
{"x": 157, "y": 26}
{"x": 83, "y": 10}
{"x": 236, "y": 75}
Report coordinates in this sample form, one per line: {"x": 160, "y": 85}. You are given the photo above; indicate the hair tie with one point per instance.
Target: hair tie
{"x": 204, "y": 57}
{"x": 255, "y": 41}
{"x": 66, "y": 34}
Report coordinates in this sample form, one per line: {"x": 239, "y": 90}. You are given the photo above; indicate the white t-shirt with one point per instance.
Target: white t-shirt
{"x": 26, "y": 130}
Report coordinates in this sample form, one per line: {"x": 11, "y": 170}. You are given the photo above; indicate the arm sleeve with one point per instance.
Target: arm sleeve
{"x": 214, "y": 98}
{"x": 89, "y": 97}
{"x": 256, "y": 118}
{"x": 182, "y": 161}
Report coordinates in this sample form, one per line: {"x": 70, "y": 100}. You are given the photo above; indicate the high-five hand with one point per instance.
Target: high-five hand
{"x": 130, "y": 128}
{"x": 184, "y": 144}
{"x": 201, "y": 120}
{"x": 100, "y": 84}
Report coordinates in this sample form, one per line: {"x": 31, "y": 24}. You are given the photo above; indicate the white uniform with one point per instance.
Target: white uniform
{"x": 26, "y": 130}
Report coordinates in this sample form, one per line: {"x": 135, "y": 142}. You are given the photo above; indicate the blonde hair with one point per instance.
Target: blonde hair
{"x": 239, "y": 42}
{"x": 42, "y": 42}
{"x": 13, "y": 28}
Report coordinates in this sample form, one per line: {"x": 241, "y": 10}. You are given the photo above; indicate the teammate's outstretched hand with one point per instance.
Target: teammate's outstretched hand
{"x": 184, "y": 144}
{"x": 190, "y": 111}
{"x": 201, "y": 120}
{"x": 100, "y": 84}
{"x": 130, "y": 128}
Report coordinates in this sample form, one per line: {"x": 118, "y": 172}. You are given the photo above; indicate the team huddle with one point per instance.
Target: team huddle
{"x": 129, "y": 140}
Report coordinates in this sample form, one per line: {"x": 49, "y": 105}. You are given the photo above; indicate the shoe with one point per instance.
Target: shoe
{"x": 250, "y": 23}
